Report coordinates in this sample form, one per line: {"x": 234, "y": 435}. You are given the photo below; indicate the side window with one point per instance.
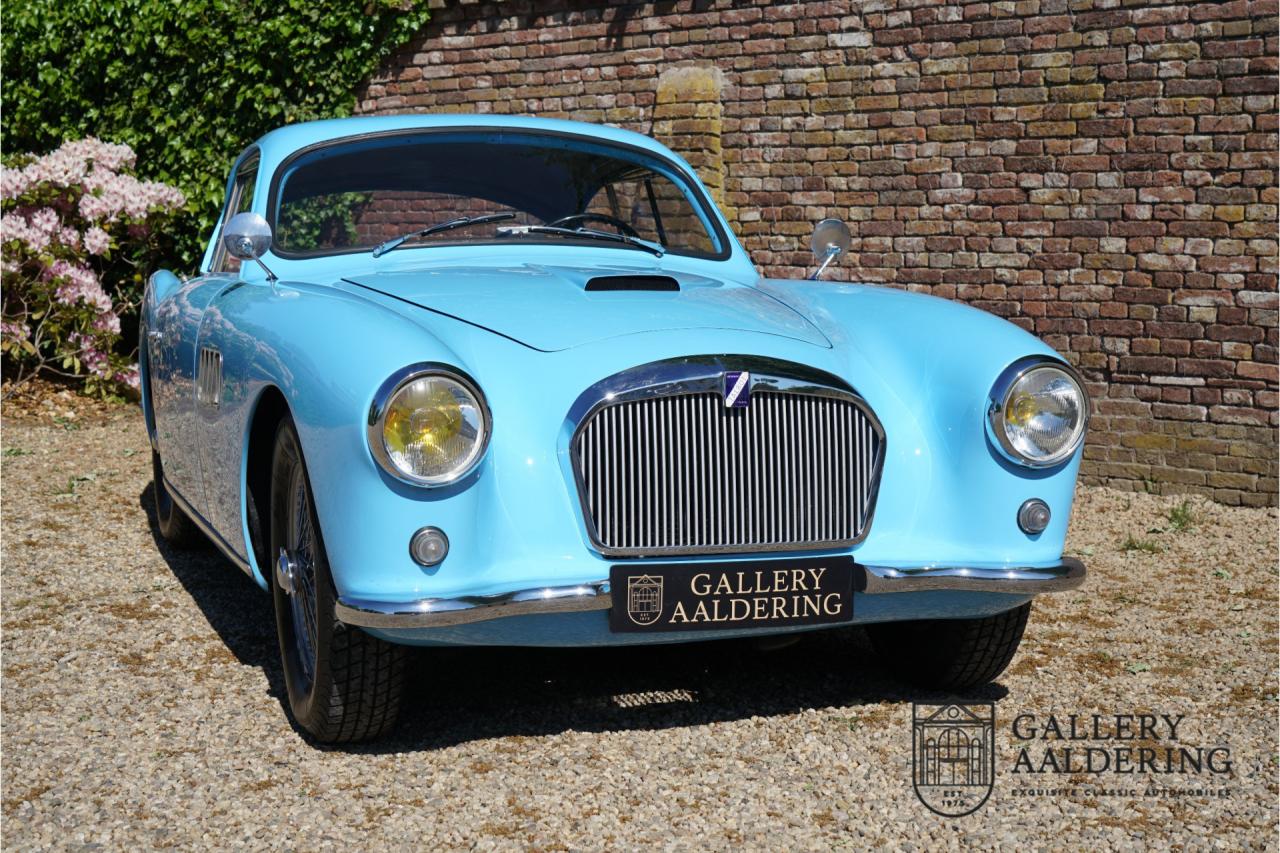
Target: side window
{"x": 240, "y": 201}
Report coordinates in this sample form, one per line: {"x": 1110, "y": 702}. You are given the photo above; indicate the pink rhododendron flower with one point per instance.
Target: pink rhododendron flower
{"x": 60, "y": 215}
{"x": 107, "y": 322}
{"x": 14, "y": 226}
{"x": 14, "y": 331}
{"x": 79, "y": 284}
{"x": 46, "y": 221}
{"x": 128, "y": 377}
{"x": 97, "y": 241}
{"x": 13, "y": 182}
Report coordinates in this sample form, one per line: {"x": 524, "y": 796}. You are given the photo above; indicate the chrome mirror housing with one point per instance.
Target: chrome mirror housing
{"x": 247, "y": 237}
{"x": 831, "y": 238}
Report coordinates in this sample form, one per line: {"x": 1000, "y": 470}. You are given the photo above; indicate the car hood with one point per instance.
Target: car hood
{"x": 550, "y": 308}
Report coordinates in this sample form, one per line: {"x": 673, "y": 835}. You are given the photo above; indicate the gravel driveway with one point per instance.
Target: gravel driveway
{"x": 142, "y": 701}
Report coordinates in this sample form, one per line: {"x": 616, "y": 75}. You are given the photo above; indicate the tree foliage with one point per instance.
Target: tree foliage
{"x": 187, "y": 84}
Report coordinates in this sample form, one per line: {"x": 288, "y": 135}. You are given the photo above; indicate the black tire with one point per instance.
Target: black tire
{"x": 175, "y": 526}
{"x": 344, "y": 685}
{"x": 951, "y": 654}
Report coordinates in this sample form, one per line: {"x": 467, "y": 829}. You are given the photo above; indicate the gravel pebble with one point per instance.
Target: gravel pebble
{"x": 142, "y": 701}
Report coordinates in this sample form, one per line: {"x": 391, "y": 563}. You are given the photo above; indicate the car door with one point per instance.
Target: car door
{"x": 186, "y": 375}
{"x": 174, "y": 356}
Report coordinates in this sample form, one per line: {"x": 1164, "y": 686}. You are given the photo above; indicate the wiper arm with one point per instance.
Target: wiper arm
{"x": 595, "y": 235}
{"x": 460, "y": 222}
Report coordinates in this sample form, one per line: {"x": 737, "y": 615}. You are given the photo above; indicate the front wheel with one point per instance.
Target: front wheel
{"x": 344, "y": 685}
{"x": 951, "y": 654}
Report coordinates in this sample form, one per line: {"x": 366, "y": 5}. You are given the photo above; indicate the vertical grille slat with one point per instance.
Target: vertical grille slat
{"x": 684, "y": 474}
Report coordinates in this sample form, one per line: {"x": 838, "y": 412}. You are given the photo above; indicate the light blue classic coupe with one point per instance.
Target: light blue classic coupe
{"x": 507, "y": 381}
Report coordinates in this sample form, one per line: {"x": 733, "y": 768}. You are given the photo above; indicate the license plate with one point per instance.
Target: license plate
{"x": 727, "y": 596}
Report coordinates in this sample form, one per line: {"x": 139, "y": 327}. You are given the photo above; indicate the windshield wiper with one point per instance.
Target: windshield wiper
{"x": 460, "y": 222}
{"x": 592, "y": 234}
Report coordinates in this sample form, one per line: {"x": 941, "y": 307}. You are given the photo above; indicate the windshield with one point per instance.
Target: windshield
{"x": 359, "y": 194}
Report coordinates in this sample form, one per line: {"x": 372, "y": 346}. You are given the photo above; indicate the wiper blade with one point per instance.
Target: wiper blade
{"x": 460, "y": 222}
{"x": 595, "y": 235}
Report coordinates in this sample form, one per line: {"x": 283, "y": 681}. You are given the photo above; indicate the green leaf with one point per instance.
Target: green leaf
{"x": 188, "y": 84}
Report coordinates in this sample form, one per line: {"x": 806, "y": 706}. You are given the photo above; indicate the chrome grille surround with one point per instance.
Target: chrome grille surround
{"x": 762, "y": 478}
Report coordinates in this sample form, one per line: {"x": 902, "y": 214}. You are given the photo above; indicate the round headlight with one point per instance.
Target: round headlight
{"x": 1039, "y": 412}
{"x": 428, "y": 426}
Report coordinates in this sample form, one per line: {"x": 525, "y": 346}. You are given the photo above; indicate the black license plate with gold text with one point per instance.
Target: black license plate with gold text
{"x": 733, "y": 595}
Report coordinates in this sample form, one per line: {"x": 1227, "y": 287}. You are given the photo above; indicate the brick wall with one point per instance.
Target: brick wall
{"x": 1100, "y": 172}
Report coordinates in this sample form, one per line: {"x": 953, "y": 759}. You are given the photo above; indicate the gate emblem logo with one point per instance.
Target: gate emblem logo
{"x": 953, "y": 756}
{"x": 737, "y": 389}
{"x": 644, "y": 599}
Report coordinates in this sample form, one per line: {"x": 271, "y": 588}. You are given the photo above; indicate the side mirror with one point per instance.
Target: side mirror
{"x": 247, "y": 237}
{"x": 831, "y": 239}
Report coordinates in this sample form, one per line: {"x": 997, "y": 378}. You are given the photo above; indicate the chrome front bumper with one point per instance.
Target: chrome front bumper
{"x": 872, "y": 580}
{"x": 1069, "y": 574}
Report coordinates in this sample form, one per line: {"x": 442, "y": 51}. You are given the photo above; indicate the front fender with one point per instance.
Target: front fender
{"x": 326, "y": 351}
{"x": 927, "y": 366}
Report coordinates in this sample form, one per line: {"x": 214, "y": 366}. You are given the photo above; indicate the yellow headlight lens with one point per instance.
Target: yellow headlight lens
{"x": 433, "y": 429}
{"x": 1022, "y": 408}
{"x": 1045, "y": 414}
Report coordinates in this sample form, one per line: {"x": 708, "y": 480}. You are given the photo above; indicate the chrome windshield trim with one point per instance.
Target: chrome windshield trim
{"x": 1069, "y": 574}
{"x": 444, "y": 612}
{"x": 703, "y": 374}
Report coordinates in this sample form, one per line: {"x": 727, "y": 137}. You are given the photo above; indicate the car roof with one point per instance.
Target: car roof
{"x": 278, "y": 144}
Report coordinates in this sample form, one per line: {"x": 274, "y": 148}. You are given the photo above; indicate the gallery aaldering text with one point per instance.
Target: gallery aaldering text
{"x": 1116, "y": 743}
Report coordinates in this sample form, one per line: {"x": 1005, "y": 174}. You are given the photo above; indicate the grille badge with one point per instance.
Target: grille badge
{"x": 737, "y": 389}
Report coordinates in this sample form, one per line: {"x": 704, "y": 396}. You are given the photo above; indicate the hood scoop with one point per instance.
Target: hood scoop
{"x": 557, "y": 307}
{"x": 632, "y": 283}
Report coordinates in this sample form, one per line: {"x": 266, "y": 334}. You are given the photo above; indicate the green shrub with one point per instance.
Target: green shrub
{"x": 78, "y": 229}
{"x": 187, "y": 84}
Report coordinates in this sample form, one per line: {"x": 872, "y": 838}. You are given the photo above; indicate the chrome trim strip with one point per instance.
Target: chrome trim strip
{"x": 577, "y": 598}
{"x": 378, "y": 410}
{"x": 1069, "y": 574}
{"x": 667, "y": 382}
{"x": 1000, "y": 395}
{"x": 443, "y": 612}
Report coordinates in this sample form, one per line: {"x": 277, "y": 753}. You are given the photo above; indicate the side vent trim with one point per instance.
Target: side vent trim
{"x": 657, "y": 283}
{"x": 209, "y": 378}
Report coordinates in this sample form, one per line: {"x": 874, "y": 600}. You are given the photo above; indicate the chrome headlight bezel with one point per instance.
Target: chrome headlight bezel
{"x": 378, "y": 411}
{"x": 999, "y": 398}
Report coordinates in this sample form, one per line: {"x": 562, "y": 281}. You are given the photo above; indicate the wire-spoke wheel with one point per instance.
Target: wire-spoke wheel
{"x": 299, "y": 553}
{"x": 343, "y": 684}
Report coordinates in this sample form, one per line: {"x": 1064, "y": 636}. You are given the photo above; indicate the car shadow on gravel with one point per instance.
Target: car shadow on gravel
{"x": 458, "y": 695}
{"x": 235, "y": 607}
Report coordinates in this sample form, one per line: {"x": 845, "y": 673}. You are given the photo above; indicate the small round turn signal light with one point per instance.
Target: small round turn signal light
{"x": 429, "y": 546}
{"x": 1033, "y": 516}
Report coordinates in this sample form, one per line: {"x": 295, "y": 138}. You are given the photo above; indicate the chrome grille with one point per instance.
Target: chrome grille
{"x": 684, "y": 474}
